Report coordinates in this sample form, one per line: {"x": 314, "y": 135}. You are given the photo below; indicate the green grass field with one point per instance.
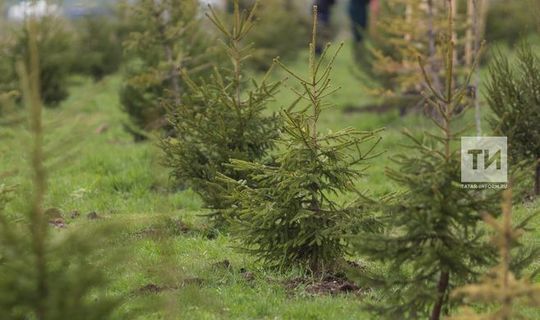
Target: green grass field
{"x": 172, "y": 264}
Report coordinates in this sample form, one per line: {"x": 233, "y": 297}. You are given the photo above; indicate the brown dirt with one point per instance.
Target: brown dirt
{"x": 93, "y": 216}
{"x": 170, "y": 227}
{"x": 58, "y": 223}
{"x": 102, "y": 128}
{"x": 74, "y": 214}
{"x": 329, "y": 285}
{"x": 153, "y": 288}
{"x": 150, "y": 288}
{"x": 225, "y": 264}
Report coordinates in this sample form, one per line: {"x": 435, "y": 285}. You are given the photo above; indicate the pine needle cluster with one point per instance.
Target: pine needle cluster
{"x": 222, "y": 118}
{"x": 500, "y": 287}
{"x": 286, "y": 213}
{"x": 513, "y": 94}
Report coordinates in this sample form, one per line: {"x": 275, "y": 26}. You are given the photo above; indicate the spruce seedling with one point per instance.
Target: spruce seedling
{"x": 432, "y": 239}
{"x": 222, "y": 118}
{"x": 500, "y": 287}
{"x": 285, "y": 213}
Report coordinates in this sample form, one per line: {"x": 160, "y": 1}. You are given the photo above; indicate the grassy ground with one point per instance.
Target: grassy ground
{"x": 172, "y": 263}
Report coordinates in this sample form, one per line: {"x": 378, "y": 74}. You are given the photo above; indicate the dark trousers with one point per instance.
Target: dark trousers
{"x": 324, "y": 10}
{"x": 358, "y": 12}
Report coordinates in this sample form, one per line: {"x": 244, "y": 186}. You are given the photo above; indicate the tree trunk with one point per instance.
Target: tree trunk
{"x": 475, "y": 12}
{"x": 441, "y": 292}
{"x": 164, "y": 17}
{"x": 433, "y": 66}
{"x": 537, "y": 179}
{"x": 433, "y": 63}
{"x": 470, "y": 33}
{"x": 173, "y": 74}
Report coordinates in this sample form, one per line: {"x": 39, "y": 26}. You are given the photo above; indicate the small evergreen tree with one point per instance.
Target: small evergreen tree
{"x": 500, "y": 286}
{"x": 55, "y": 42}
{"x": 221, "y": 118}
{"x": 513, "y": 94}
{"x": 41, "y": 276}
{"x": 285, "y": 212}
{"x": 431, "y": 240}
{"x": 168, "y": 38}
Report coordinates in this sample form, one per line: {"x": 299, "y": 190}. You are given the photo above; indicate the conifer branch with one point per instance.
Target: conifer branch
{"x": 501, "y": 286}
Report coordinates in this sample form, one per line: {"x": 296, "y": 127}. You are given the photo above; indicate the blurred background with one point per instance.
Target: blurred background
{"x": 98, "y": 38}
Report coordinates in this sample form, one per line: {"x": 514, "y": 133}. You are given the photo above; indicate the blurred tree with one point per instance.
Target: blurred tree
{"x": 513, "y": 94}
{"x": 8, "y": 76}
{"x": 404, "y": 31}
{"x": 500, "y": 286}
{"x": 400, "y": 37}
{"x": 285, "y": 213}
{"x": 55, "y": 41}
{"x": 43, "y": 276}
{"x": 276, "y": 18}
{"x": 98, "y": 46}
{"x": 221, "y": 118}
{"x": 168, "y": 38}
{"x": 510, "y": 21}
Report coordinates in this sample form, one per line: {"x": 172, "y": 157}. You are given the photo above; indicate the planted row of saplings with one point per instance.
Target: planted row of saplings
{"x": 271, "y": 180}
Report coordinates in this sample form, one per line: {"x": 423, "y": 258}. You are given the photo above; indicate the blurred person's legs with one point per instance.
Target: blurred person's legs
{"x": 358, "y": 12}
{"x": 243, "y": 4}
{"x": 324, "y": 10}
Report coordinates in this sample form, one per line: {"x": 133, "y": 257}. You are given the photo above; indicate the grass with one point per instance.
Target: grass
{"x": 172, "y": 262}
